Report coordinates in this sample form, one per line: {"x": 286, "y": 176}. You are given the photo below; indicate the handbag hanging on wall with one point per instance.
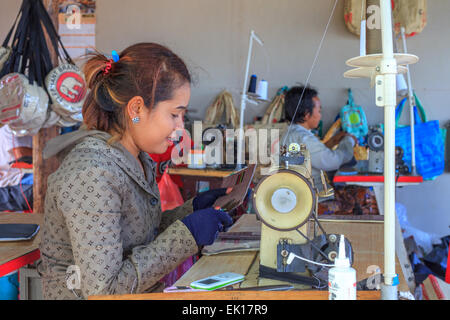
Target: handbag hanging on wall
{"x": 410, "y": 14}
{"x": 275, "y": 111}
{"x": 223, "y": 104}
{"x": 429, "y": 142}
{"x": 354, "y": 119}
{"x": 47, "y": 94}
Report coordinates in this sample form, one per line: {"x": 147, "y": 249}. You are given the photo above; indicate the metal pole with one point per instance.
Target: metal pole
{"x": 389, "y": 71}
{"x": 240, "y": 144}
{"x": 412, "y": 104}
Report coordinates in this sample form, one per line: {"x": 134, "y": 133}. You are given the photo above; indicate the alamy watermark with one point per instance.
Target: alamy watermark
{"x": 219, "y": 147}
{"x": 373, "y": 17}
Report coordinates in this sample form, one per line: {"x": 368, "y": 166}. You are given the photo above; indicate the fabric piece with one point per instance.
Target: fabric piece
{"x": 18, "y": 232}
{"x": 350, "y": 200}
{"x": 103, "y": 218}
{"x": 12, "y": 199}
{"x": 176, "y": 274}
{"x": 10, "y": 176}
{"x": 28, "y": 178}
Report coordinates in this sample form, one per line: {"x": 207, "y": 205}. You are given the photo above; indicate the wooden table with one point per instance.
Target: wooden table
{"x": 210, "y": 173}
{"x": 16, "y": 254}
{"x": 246, "y": 263}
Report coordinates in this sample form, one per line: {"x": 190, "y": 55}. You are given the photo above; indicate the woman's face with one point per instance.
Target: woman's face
{"x": 314, "y": 118}
{"x": 157, "y": 127}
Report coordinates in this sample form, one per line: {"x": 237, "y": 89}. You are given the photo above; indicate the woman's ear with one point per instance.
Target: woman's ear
{"x": 307, "y": 117}
{"x": 135, "y": 107}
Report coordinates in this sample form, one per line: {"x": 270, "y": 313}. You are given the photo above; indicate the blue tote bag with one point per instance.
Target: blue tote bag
{"x": 429, "y": 142}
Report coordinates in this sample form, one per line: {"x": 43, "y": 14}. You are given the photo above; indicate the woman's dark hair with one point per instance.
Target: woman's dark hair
{"x": 292, "y": 99}
{"x": 148, "y": 70}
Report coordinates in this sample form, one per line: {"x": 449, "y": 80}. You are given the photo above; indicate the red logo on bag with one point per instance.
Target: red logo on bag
{"x": 71, "y": 87}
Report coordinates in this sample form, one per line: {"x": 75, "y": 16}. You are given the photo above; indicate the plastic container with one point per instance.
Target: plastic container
{"x": 9, "y": 286}
{"x": 196, "y": 159}
{"x": 342, "y": 277}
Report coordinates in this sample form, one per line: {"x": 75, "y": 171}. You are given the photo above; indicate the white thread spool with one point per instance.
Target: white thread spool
{"x": 402, "y": 87}
{"x": 362, "y": 39}
{"x": 261, "y": 89}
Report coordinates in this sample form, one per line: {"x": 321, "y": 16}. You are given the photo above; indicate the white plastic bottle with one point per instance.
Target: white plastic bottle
{"x": 342, "y": 277}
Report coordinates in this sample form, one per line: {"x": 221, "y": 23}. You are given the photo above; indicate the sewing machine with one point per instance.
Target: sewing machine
{"x": 286, "y": 202}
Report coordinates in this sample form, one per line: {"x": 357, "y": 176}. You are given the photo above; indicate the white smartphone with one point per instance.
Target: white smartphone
{"x": 217, "y": 281}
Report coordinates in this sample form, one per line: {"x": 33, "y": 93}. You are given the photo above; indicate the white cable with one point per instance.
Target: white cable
{"x": 311, "y": 70}
{"x": 293, "y": 255}
{"x": 320, "y": 282}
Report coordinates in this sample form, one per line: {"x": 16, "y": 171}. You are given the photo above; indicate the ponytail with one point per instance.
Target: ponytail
{"x": 148, "y": 70}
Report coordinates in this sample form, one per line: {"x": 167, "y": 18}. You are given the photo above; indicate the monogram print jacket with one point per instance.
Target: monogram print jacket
{"x": 104, "y": 232}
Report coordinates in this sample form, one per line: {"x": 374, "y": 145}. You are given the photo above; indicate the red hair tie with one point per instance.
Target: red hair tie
{"x": 108, "y": 66}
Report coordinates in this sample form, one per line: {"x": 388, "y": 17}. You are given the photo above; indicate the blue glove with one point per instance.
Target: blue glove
{"x": 206, "y": 199}
{"x": 206, "y": 224}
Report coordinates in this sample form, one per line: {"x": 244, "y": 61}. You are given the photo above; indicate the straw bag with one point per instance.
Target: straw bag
{"x": 275, "y": 111}
{"x": 222, "y": 104}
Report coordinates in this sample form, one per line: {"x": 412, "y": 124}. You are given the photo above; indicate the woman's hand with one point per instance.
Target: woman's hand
{"x": 335, "y": 140}
{"x": 206, "y": 224}
{"x": 354, "y": 138}
{"x": 206, "y": 199}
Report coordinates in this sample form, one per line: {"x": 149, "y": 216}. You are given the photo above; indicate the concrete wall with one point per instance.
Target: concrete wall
{"x": 212, "y": 37}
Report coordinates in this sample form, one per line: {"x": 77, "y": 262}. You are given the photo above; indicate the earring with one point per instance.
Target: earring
{"x": 136, "y": 120}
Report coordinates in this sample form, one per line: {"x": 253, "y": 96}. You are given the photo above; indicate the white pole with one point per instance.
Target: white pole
{"x": 362, "y": 38}
{"x": 240, "y": 152}
{"x": 389, "y": 71}
{"x": 240, "y": 144}
{"x": 412, "y": 104}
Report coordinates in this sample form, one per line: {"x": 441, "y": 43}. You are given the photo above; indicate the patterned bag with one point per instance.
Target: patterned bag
{"x": 354, "y": 119}
{"x": 352, "y": 15}
{"x": 410, "y": 14}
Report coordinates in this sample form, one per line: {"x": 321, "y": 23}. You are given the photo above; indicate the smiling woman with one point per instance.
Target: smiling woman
{"x": 104, "y": 232}
{"x": 131, "y": 89}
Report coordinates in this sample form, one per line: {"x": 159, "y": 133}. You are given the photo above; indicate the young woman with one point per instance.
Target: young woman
{"x": 104, "y": 232}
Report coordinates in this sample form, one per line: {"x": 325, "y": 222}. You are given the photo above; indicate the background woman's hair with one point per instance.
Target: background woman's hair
{"x": 148, "y": 70}
{"x": 306, "y": 106}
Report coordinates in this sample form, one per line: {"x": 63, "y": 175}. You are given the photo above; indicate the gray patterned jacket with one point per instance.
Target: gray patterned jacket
{"x": 104, "y": 232}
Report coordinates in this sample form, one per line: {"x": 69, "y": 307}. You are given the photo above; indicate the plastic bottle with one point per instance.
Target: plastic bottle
{"x": 342, "y": 277}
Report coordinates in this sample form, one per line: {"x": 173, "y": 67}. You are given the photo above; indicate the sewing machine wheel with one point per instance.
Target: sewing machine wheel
{"x": 331, "y": 248}
{"x": 375, "y": 140}
{"x": 284, "y": 201}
